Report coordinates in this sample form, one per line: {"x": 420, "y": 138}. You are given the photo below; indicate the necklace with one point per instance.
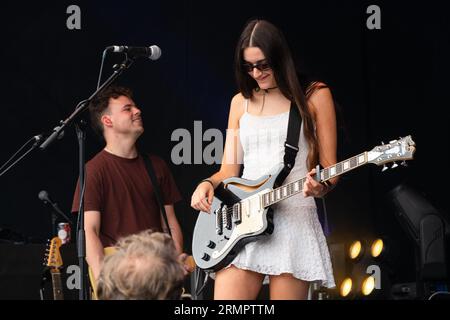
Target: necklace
{"x": 266, "y": 91}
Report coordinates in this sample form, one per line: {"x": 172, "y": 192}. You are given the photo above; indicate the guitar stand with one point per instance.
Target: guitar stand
{"x": 195, "y": 280}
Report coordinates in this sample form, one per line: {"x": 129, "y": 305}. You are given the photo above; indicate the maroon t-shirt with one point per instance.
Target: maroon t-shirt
{"x": 122, "y": 191}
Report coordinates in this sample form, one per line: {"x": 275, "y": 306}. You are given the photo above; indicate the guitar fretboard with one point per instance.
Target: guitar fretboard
{"x": 292, "y": 188}
{"x": 57, "y": 286}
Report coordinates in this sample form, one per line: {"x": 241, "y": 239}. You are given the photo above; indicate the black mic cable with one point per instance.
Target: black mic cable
{"x": 101, "y": 67}
{"x": 36, "y": 140}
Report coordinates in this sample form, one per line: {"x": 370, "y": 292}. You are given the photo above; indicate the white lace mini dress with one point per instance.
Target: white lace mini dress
{"x": 297, "y": 245}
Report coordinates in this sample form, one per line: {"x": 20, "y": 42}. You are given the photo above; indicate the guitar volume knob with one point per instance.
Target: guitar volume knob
{"x": 211, "y": 244}
{"x": 206, "y": 256}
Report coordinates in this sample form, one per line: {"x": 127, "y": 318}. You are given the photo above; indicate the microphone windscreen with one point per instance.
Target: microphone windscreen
{"x": 156, "y": 52}
{"x": 43, "y": 195}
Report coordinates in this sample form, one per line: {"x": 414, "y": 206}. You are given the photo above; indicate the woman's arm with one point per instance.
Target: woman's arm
{"x": 322, "y": 108}
{"x": 232, "y": 155}
{"x": 231, "y": 160}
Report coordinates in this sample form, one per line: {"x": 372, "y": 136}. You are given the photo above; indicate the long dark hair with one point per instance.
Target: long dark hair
{"x": 270, "y": 40}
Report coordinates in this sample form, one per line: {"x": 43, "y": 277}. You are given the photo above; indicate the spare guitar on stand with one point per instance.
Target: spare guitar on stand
{"x": 53, "y": 264}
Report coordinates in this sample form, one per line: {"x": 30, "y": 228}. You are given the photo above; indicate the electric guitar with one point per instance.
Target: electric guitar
{"x": 54, "y": 263}
{"x": 106, "y": 251}
{"x": 241, "y": 210}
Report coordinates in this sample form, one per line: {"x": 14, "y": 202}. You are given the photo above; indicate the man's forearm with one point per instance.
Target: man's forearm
{"x": 94, "y": 253}
{"x": 174, "y": 226}
{"x": 177, "y": 237}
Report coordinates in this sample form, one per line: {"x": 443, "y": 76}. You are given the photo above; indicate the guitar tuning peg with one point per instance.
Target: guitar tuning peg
{"x": 404, "y": 163}
{"x": 394, "y": 165}
{"x": 385, "y": 167}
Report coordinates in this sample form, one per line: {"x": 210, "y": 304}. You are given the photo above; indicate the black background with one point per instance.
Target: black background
{"x": 388, "y": 83}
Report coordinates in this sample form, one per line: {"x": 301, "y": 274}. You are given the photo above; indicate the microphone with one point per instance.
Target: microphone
{"x": 152, "y": 52}
{"x": 45, "y": 197}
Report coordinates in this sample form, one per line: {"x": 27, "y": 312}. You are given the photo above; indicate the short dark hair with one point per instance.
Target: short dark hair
{"x": 100, "y": 103}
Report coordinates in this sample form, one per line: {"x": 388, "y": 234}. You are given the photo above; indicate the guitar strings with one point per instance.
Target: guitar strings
{"x": 302, "y": 180}
{"x": 341, "y": 163}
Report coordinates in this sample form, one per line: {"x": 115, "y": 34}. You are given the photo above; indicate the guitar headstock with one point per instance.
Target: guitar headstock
{"x": 396, "y": 150}
{"x": 53, "y": 256}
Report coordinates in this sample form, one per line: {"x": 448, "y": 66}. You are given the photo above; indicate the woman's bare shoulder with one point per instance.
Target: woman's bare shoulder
{"x": 237, "y": 107}
{"x": 319, "y": 96}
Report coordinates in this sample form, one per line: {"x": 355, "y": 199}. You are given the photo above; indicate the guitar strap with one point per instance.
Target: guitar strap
{"x": 290, "y": 153}
{"x": 152, "y": 175}
{"x": 291, "y": 144}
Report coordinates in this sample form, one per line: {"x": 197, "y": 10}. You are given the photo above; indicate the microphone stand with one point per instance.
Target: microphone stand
{"x": 81, "y": 135}
{"x": 56, "y": 211}
{"x": 54, "y": 231}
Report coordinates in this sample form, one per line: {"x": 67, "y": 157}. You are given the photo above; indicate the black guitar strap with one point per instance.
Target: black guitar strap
{"x": 152, "y": 175}
{"x": 291, "y": 144}
{"x": 290, "y": 152}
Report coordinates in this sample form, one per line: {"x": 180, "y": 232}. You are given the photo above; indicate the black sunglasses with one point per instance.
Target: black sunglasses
{"x": 261, "y": 66}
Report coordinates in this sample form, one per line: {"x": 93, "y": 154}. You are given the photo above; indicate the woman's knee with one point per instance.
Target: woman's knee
{"x": 287, "y": 287}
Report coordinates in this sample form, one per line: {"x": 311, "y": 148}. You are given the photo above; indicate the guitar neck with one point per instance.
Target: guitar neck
{"x": 57, "y": 285}
{"x": 295, "y": 187}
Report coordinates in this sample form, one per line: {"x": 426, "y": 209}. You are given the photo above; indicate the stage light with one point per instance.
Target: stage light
{"x": 377, "y": 248}
{"x": 368, "y": 285}
{"x": 427, "y": 227}
{"x": 356, "y": 250}
{"x": 346, "y": 287}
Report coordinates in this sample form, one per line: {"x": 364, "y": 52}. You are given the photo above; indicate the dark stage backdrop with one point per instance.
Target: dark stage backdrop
{"x": 389, "y": 83}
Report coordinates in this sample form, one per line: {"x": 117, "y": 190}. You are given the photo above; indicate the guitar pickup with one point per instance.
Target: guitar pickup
{"x": 226, "y": 218}
{"x": 229, "y": 219}
{"x": 237, "y": 213}
{"x": 219, "y": 221}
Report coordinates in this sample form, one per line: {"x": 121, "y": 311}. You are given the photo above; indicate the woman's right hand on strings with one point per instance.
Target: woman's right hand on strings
{"x": 202, "y": 197}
